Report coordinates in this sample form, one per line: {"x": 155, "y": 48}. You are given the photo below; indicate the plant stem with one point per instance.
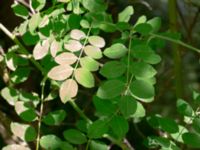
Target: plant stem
{"x": 176, "y": 52}
{"x": 22, "y": 49}
{"x": 41, "y": 113}
{"x": 80, "y": 112}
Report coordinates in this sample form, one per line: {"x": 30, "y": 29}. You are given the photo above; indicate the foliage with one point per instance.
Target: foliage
{"x": 71, "y": 49}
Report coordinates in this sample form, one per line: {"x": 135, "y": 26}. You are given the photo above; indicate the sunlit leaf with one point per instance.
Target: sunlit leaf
{"x": 68, "y": 90}
{"x": 115, "y": 51}
{"x": 50, "y": 142}
{"x": 15, "y": 147}
{"x": 34, "y": 22}
{"x": 73, "y": 45}
{"x": 89, "y": 63}
{"x": 77, "y": 34}
{"x": 23, "y": 131}
{"x": 54, "y": 48}
{"x": 84, "y": 77}
{"x": 25, "y": 111}
{"x": 66, "y": 58}
{"x": 10, "y": 95}
{"x": 41, "y": 50}
{"x": 97, "y": 41}
{"x": 97, "y": 145}
{"x": 60, "y": 72}
{"x": 93, "y": 51}
{"x": 126, "y": 14}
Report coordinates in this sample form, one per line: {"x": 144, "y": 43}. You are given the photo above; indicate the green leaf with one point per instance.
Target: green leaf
{"x": 168, "y": 125}
{"x": 89, "y": 63}
{"x": 25, "y": 110}
{"x": 10, "y": 95}
{"x": 113, "y": 69}
{"x": 143, "y": 28}
{"x": 196, "y": 124}
{"x": 20, "y": 75}
{"x": 84, "y": 77}
{"x": 142, "y": 90}
{"x": 34, "y": 22}
{"x": 30, "y": 39}
{"x": 50, "y": 142}
{"x": 119, "y": 126}
{"x": 20, "y": 10}
{"x": 128, "y": 106}
{"x": 38, "y": 4}
{"x": 104, "y": 107}
{"x": 97, "y": 41}
{"x": 184, "y": 108}
{"x": 94, "y": 6}
{"x": 126, "y": 14}
{"x": 191, "y": 139}
{"x": 96, "y": 145}
{"x": 178, "y": 135}
{"x": 142, "y": 70}
{"x": 140, "y": 111}
{"x": 74, "y": 136}
{"x": 117, "y": 50}
{"x": 110, "y": 89}
{"x": 23, "y": 131}
{"x": 93, "y": 52}
{"x": 15, "y": 147}
{"x": 155, "y": 24}
{"x": 55, "y": 117}
{"x": 97, "y": 129}
{"x": 66, "y": 146}
{"x": 145, "y": 53}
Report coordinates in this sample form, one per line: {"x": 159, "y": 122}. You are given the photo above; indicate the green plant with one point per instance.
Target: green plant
{"x": 72, "y": 53}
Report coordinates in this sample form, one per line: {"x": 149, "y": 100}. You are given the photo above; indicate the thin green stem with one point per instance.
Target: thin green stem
{"x": 40, "y": 113}
{"x": 88, "y": 143}
{"x": 176, "y": 42}
{"x": 22, "y": 49}
{"x": 80, "y": 112}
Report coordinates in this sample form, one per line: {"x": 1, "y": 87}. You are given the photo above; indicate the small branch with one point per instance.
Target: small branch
{"x": 22, "y": 49}
{"x": 41, "y": 113}
{"x": 176, "y": 42}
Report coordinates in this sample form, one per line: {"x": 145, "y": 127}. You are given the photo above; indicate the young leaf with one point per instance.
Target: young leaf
{"x": 25, "y": 111}
{"x": 15, "y": 147}
{"x": 93, "y": 51}
{"x": 20, "y": 10}
{"x": 113, "y": 69}
{"x": 23, "y": 131}
{"x": 97, "y": 41}
{"x": 126, "y": 14}
{"x": 84, "y": 77}
{"x": 54, "y": 118}
{"x": 68, "y": 90}
{"x": 128, "y": 106}
{"x": 142, "y": 70}
{"x": 89, "y": 63}
{"x": 110, "y": 89}
{"x": 117, "y": 50}
{"x": 66, "y": 58}
{"x": 97, "y": 129}
{"x": 74, "y": 136}
{"x": 41, "y": 50}
{"x": 142, "y": 90}
{"x": 77, "y": 34}
{"x": 73, "y": 45}
{"x": 60, "y": 72}
{"x": 10, "y": 95}
{"x": 119, "y": 126}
